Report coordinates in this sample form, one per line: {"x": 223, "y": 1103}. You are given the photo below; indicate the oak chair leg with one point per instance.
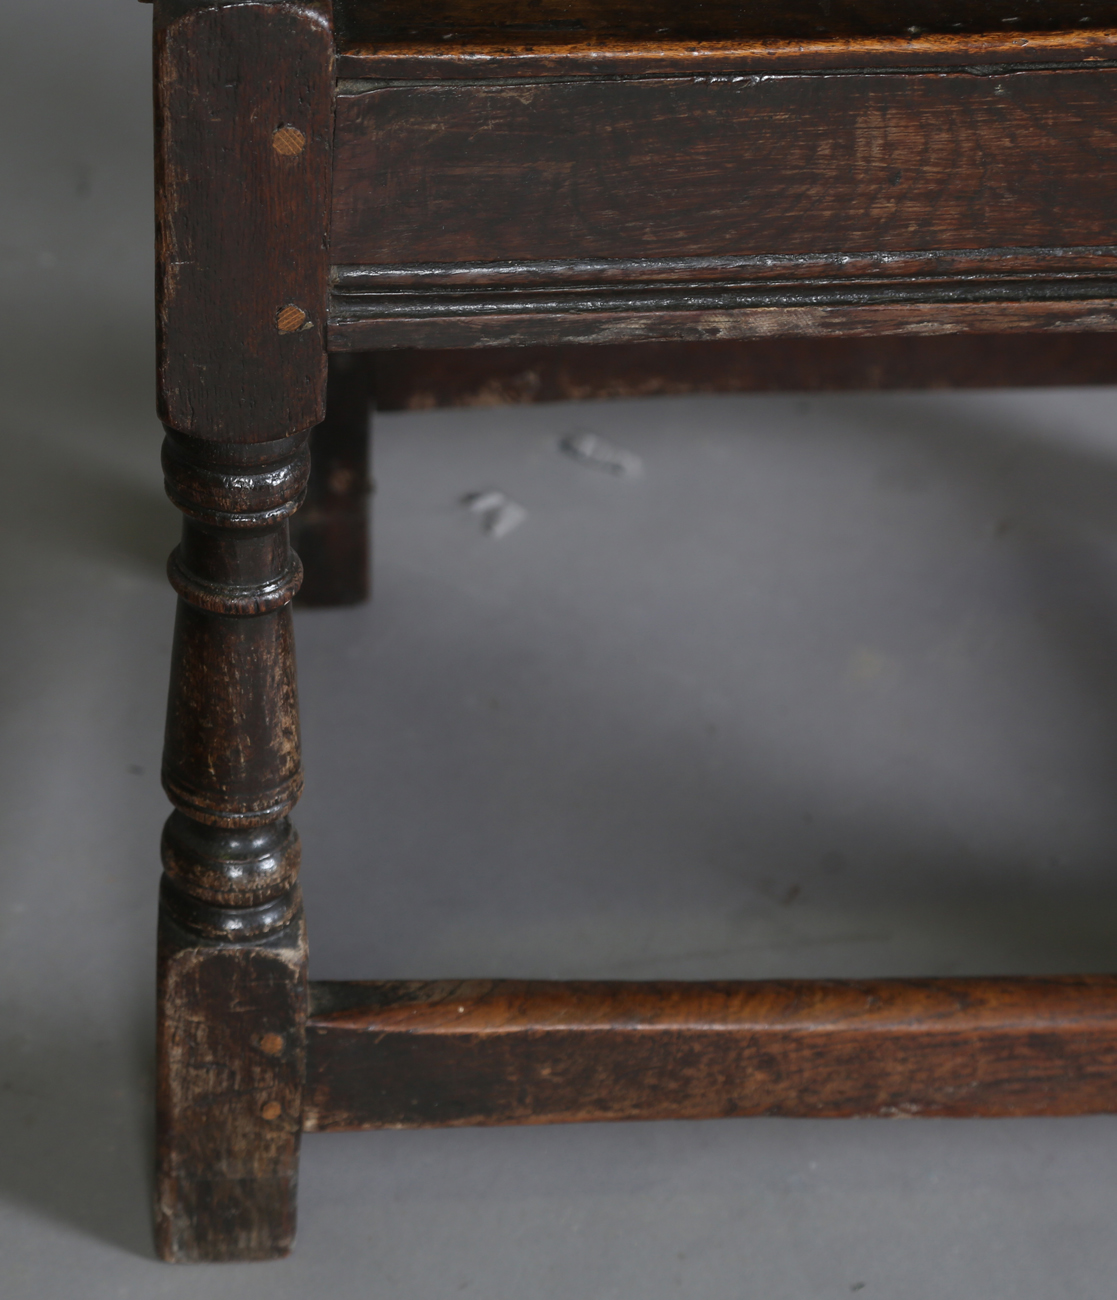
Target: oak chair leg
{"x": 331, "y": 530}
{"x": 232, "y": 946}
{"x": 243, "y": 113}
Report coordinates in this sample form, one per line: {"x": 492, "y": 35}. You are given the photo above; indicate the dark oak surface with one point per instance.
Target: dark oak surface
{"x": 524, "y": 329}
{"x": 417, "y": 380}
{"x": 410, "y": 1054}
{"x": 230, "y": 1049}
{"x": 330, "y": 532}
{"x": 242, "y": 133}
{"x": 686, "y": 199}
{"x": 570, "y": 59}
{"x": 929, "y": 266}
{"x": 243, "y": 116}
{"x": 464, "y": 38}
{"x": 708, "y": 20}
{"x": 681, "y": 167}
{"x": 524, "y": 21}
{"x": 609, "y": 211}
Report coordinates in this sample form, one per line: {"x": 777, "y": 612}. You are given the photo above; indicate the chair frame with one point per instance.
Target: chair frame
{"x": 254, "y": 101}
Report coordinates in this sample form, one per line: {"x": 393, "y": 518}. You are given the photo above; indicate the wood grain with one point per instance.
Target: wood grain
{"x": 354, "y": 332}
{"x": 230, "y": 1055}
{"x": 233, "y": 951}
{"x": 565, "y": 205}
{"x": 241, "y": 227}
{"x": 447, "y": 1053}
{"x": 666, "y": 168}
{"x": 231, "y": 754}
{"x": 939, "y": 266}
{"x": 484, "y": 53}
{"x": 241, "y": 209}
{"x": 539, "y": 22}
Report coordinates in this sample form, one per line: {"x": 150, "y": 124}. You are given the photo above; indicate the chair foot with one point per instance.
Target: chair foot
{"x": 230, "y": 1075}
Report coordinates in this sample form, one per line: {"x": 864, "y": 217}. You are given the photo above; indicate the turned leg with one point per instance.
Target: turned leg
{"x": 331, "y": 530}
{"x": 232, "y": 946}
{"x": 243, "y": 97}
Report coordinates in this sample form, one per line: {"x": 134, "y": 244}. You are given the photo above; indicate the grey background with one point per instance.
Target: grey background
{"x": 830, "y": 690}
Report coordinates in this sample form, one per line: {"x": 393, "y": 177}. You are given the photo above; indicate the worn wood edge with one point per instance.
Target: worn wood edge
{"x": 545, "y": 299}
{"x": 454, "y": 60}
{"x": 425, "y": 380}
{"x": 227, "y": 1167}
{"x": 166, "y": 12}
{"x": 482, "y": 1052}
{"x": 356, "y": 334}
{"x": 456, "y": 1008}
{"x": 754, "y": 268}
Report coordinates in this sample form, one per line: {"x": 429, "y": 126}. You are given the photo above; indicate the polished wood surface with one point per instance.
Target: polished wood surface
{"x": 468, "y": 38}
{"x": 455, "y": 39}
{"x": 446, "y": 1053}
{"x": 436, "y": 59}
{"x": 778, "y": 271}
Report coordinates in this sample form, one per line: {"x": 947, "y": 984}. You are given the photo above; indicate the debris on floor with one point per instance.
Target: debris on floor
{"x": 592, "y": 450}
{"x": 498, "y": 515}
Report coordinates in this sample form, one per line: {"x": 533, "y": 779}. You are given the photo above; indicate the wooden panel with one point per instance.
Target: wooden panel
{"x": 663, "y": 168}
{"x": 405, "y": 380}
{"x": 404, "y": 1055}
{"x": 243, "y": 97}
